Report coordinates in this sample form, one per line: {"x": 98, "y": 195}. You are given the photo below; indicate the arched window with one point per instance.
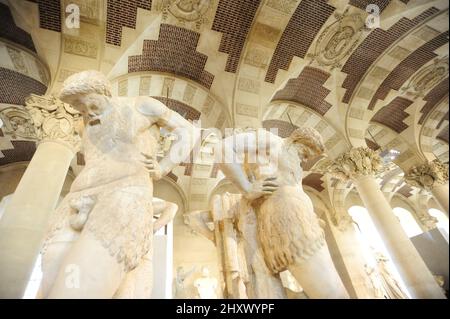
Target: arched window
{"x": 408, "y": 222}
{"x": 442, "y": 219}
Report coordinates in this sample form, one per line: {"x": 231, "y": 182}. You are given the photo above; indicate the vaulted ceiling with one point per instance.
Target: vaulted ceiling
{"x": 380, "y": 82}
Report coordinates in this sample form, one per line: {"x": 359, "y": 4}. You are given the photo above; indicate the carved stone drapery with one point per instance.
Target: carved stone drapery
{"x": 356, "y": 162}
{"x": 428, "y": 175}
{"x": 54, "y": 120}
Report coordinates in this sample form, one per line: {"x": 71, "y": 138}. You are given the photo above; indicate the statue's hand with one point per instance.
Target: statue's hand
{"x": 152, "y": 166}
{"x": 262, "y": 188}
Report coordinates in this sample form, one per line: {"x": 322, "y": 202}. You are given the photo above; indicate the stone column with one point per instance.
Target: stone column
{"x": 350, "y": 249}
{"x": 433, "y": 177}
{"x": 361, "y": 165}
{"x": 352, "y": 254}
{"x": 24, "y": 223}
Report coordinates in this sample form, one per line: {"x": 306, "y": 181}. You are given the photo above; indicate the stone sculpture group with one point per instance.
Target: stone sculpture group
{"x": 104, "y": 226}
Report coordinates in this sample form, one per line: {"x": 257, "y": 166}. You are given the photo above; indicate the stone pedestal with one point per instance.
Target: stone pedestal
{"x": 24, "y": 223}
{"x": 361, "y": 165}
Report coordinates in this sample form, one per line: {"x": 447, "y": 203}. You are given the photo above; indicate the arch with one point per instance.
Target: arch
{"x": 442, "y": 219}
{"x": 279, "y": 114}
{"x": 407, "y": 221}
{"x": 212, "y": 112}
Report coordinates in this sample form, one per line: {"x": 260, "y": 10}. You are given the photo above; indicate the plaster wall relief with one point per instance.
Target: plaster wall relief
{"x": 338, "y": 40}
{"x": 426, "y": 78}
{"x": 17, "y": 123}
{"x": 191, "y": 14}
{"x": 17, "y": 59}
{"x": 80, "y": 47}
{"x": 23, "y": 61}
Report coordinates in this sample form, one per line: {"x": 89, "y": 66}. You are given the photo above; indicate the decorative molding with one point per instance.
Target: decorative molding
{"x": 249, "y": 85}
{"x": 54, "y": 120}
{"x": 17, "y": 60}
{"x": 77, "y": 46}
{"x": 285, "y": 6}
{"x": 427, "y": 77}
{"x": 427, "y": 175}
{"x": 187, "y": 13}
{"x": 17, "y": 123}
{"x": 338, "y": 40}
{"x": 353, "y": 164}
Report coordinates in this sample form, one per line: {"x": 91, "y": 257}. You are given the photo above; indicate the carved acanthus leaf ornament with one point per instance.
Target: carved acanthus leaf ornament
{"x": 54, "y": 120}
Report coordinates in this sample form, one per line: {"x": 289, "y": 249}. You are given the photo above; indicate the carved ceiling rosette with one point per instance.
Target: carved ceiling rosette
{"x": 54, "y": 120}
{"x": 353, "y": 164}
{"x": 427, "y": 77}
{"x": 338, "y": 40}
{"x": 17, "y": 123}
{"x": 427, "y": 175}
{"x": 184, "y": 13}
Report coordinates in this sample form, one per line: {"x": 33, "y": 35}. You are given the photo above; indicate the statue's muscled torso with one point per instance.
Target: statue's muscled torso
{"x": 113, "y": 145}
{"x": 115, "y": 182}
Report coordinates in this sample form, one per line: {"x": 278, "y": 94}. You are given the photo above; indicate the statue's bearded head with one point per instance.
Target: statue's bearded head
{"x": 88, "y": 92}
{"x": 308, "y": 142}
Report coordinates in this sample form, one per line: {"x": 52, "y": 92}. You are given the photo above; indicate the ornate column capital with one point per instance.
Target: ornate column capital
{"x": 427, "y": 175}
{"x": 54, "y": 120}
{"x": 357, "y": 162}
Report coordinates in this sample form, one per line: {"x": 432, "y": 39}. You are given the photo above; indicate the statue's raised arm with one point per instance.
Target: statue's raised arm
{"x": 173, "y": 122}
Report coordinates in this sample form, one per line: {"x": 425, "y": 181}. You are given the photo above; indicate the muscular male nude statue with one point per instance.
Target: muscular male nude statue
{"x": 110, "y": 201}
{"x": 288, "y": 229}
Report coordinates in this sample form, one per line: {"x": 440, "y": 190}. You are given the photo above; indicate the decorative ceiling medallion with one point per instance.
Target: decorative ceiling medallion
{"x": 427, "y": 77}
{"x": 186, "y": 13}
{"x": 338, "y": 40}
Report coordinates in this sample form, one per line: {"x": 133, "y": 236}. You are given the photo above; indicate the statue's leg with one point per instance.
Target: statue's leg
{"x": 113, "y": 241}
{"x": 318, "y": 276}
{"x": 51, "y": 263}
{"x": 56, "y": 249}
{"x": 138, "y": 282}
{"x": 88, "y": 271}
{"x": 144, "y": 278}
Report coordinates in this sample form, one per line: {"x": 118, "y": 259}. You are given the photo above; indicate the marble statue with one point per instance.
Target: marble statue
{"x": 137, "y": 283}
{"x": 390, "y": 285}
{"x": 288, "y": 229}
{"x": 231, "y": 226}
{"x": 206, "y": 285}
{"x": 181, "y": 278}
{"x": 111, "y": 198}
